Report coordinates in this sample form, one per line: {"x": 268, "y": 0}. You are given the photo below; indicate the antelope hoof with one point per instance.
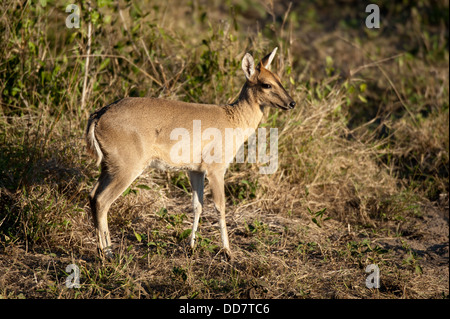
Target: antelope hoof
{"x": 192, "y": 244}
{"x": 191, "y": 249}
{"x": 107, "y": 253}
{"x": 227, "y": 254}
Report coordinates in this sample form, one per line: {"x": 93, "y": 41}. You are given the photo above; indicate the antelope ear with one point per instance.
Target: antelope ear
{"x": 267, "y": 60}
{"x": 248, "y": 65}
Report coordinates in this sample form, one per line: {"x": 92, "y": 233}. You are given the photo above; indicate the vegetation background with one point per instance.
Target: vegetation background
{"x": 363, "y": 173}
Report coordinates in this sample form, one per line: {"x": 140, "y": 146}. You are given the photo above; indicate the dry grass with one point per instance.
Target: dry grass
{"x": 363, "y": 161}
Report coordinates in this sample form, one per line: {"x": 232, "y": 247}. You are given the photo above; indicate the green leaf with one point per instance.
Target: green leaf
{"x": 362, "y": 98}
{"x": 185, "y": 234}
{"x": 136, "y": 28}
{"x": 363, "y": 87}
{"x": 127, "y": 191}
{"x": 135, "y": 11}
{"x": 143, "y": 186}
{"x": 104, "y": 64}
{"x": 138, "y": 237}
{"x": 95, "y": 16}
{"x": 418, "y": 270}
{"x": 316, "y": 222}
{"x": 320, "y": 212}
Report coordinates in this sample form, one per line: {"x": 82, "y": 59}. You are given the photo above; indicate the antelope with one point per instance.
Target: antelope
{"x": 134, "y": 133}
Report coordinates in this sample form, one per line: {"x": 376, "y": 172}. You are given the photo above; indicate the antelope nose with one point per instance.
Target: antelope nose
{"x": 292, "y": 104}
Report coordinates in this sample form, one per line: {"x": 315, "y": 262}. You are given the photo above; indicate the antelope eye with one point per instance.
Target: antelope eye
{"x": 266, "y": 86}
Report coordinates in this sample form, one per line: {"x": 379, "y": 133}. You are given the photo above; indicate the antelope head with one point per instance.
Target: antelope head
{"x": 265, "y": 86}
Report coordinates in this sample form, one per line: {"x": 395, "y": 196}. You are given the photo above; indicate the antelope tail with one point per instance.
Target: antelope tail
{"x": 93, "y": 147}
